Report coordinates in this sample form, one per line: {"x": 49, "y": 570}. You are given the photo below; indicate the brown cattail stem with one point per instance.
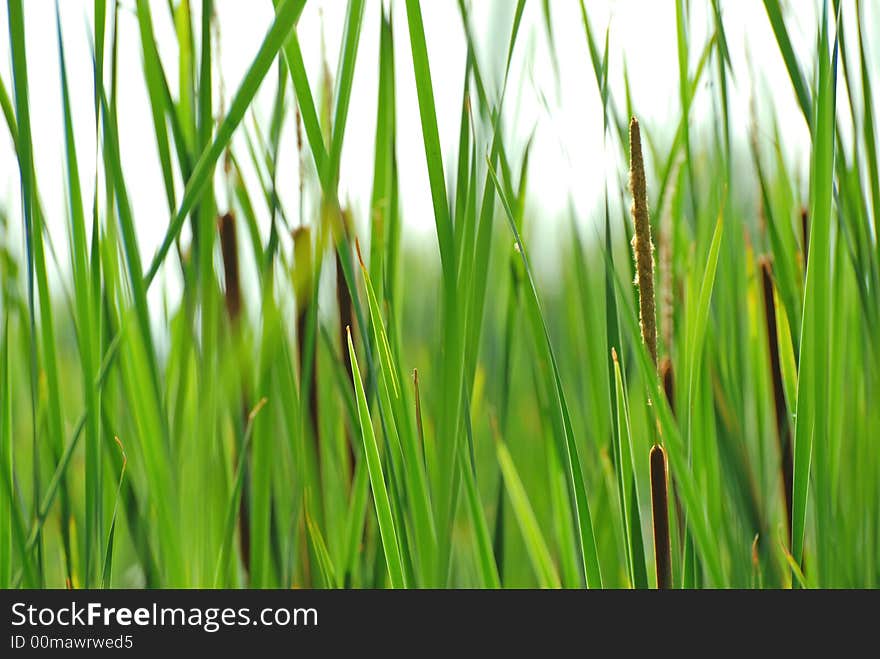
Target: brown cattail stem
{"x": 667, "y": 378}
{"x": 805, "y": 234}
{"x": 665, "y": 373}
{"x": 303, "y": 281}
{"x": 346, "y": 320}
{"x": 783, "y": 431}
{"x": 301, "y": 161}
{"x": 229, "y": 249}
{"x": 641, "y": 242}
{"x": 660, "y": 516}
{"x": 419, "y": 427}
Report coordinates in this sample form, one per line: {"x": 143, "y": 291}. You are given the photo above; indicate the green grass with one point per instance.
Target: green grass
{"x": 450, "y": 417}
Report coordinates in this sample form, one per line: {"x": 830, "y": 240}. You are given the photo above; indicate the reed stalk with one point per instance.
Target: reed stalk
{"x": 780, "y": 408}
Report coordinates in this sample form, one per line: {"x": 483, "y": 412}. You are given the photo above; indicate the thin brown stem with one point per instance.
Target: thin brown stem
{"x": 229, "y": 247}
{"x": 805, "y": 234}
{"x": 232, "y": 298}
{"x": 666, "y": 377}
{"x": 783, "y": 431}
{"x": 419, "y": 427}
{"x": 346, "y": 320}
{"x": 303, "y": 290}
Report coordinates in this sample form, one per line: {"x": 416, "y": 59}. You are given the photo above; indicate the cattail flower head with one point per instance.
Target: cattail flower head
{"x": 805, "y": 234}
{"x": 643, "y": 249}
{"x": 229, "y": 247}
{"x": 780, "y": 407}
{"x": 660, "y": 516}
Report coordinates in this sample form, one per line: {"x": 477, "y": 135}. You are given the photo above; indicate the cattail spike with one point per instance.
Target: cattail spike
{"x": 229, "y": 248}
{"x": 641, "y": 242}
{"x": 346, "y": 320}
{"x": 805, "y": 234}
{"x": 783, "y": 432}
{"x": 666, "y": 377}
{"x": 660, "y": 513}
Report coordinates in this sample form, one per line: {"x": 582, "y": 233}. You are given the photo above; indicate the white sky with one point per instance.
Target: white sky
{"x": 567, "y": 159}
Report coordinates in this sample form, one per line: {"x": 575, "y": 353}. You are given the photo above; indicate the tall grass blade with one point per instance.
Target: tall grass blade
{"x": 377, "y": 480}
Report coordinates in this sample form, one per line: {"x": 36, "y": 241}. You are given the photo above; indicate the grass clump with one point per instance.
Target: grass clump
{"x": 271, "y": 438}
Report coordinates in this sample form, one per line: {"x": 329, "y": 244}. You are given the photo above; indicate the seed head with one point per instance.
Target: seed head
{"x": 643, "y": 249}
{"x": 660, "y": 516}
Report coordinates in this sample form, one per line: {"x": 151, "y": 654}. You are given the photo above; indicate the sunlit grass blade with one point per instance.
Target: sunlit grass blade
{"x": 449, "y": 428}
{"x": 13, "y": 523}
{"x": 628, "y": 491}
{"x": 7, "y": 530}
{"x": 9, "y": 114}
{"x": 413, "y": 459}
{"x": 325, "y": 563}
{"x": 488, "y": 568}
{"x": 107, "y": 569}
{"x": 868, "y": 130}
{"x": 699, "y": 320}
{"x": 383, "y": 207}
{"x": 86, "y": 320}
{"x": 152, "y": 73}
{"x": 811, "y": 427}
{"x": 233, "y": 508}
{"x": 377, "y": 480}
{"x": 542, "y": 562}
{"x": 433, "y": 153}
{"x": 780, "y": 31}
{"x": 348, "y": 57}
{"x": 36, "y": 260}
{"x": 356, "y": 520}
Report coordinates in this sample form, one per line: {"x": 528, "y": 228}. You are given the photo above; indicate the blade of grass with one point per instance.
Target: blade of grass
{"x": 413, "y": 460}
{"x": 106, "y": 571}
{"x": 868, "y": 131}
{"x": 86, "y": 320}
{"x": 286, "y": 16}
{"x": 628, "y": 492}
{"x": 152, "y": 73}
{"x": 325, "y": 563}
{"x": 377, "y": 479}
{"x": 539, "y": 554}
{"x": 346, "y": 68}
{"x": 233, "y": 508}
{"x": 7, "y": 528}
{"x": 780, "y": 31}
{"x": 433, "y": 153}
{"x": 563, "y": 430}
{"x": 811, "y": 425}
